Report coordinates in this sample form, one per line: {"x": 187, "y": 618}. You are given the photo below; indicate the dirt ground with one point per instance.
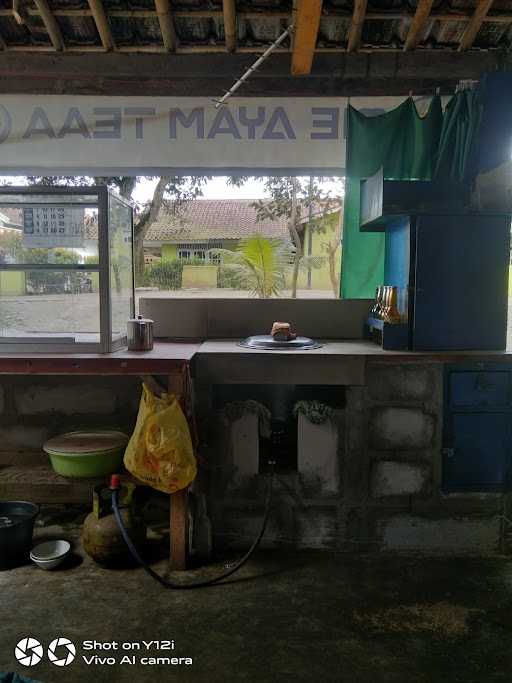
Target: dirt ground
{"x": 287, "y": 616}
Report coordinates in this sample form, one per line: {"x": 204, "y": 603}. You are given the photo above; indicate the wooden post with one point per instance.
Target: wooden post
{"x": 178, "y": 530}
{"x": 307, "y": 23}
{"x": 178, "y": 527}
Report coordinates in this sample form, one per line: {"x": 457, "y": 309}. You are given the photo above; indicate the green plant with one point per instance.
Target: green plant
{"x": 53, "y": 281}
{"x": 315, "y": 411}
{"x": 164, "y": 275}
{"x": 258, "y": 264}
{"x": 227, "y": 279}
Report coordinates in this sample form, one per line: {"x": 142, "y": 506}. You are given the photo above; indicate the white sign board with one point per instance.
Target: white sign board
{"x": 68, "y": 134}
{"x": 52, "y": 226}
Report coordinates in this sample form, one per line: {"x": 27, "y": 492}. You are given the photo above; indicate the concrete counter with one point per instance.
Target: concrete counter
{"x": 336, "y": 362}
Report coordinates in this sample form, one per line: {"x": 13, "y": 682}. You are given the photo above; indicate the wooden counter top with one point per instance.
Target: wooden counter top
{"x": 165, "y": 356}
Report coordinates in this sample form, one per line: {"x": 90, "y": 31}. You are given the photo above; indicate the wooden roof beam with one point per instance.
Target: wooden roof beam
{"x": 418, "y": 24}
{"x": 101, "y": 21}
{"x": 163, "y": 10}
{"x": 475, "y": 23}
{"x": 356, "y": 27}
{"x": 50, "y": 24}
{"x": 229, "y": 13}
{"x": 306, "y": 25}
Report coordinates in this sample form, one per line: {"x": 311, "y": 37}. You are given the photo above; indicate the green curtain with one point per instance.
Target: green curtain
{"x": 461, "y": 124}
{"x": 405, "y": 145}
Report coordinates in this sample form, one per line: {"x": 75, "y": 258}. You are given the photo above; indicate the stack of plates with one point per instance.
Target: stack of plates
{"x": 50, "y": 554}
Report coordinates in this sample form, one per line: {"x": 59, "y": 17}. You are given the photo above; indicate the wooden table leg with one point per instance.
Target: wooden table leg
{"x": 179, "y": 530}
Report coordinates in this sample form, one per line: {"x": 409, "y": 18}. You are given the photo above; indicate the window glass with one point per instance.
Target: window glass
{"x": 121, "y": 265}
{"x": 55, "y": 305}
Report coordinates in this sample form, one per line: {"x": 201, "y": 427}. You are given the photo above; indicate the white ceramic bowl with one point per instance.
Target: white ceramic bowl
{"x": 50, "y": 554}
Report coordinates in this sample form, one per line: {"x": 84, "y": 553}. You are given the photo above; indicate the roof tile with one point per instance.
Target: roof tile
{"x": 204, "y": 219}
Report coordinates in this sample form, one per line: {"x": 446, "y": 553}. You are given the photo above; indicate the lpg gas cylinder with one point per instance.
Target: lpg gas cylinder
{"x": 101, "y": 536}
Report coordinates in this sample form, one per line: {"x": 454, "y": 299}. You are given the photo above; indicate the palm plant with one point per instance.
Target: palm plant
{"x": 258, "y": 264}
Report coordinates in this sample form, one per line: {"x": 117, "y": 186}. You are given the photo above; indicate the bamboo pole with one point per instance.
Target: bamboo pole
{"x": 101, "y": 21}
{"x": 50, "y": 24}
{"x": 356, "y": 27}
{"x": 418, "y": 24}
{"x": 163, "y": 11}
{"x": 471, "y": 32}
{"x": 229, "y": 14}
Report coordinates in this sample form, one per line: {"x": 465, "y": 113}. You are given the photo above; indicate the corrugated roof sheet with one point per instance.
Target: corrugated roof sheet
{"x": 199, "y": 24}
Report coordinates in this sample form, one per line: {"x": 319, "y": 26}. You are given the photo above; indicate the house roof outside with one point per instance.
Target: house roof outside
{"x": 213, "y": 219}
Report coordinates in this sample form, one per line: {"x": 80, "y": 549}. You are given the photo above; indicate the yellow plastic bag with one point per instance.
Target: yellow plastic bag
{"x": 160, "y": 451}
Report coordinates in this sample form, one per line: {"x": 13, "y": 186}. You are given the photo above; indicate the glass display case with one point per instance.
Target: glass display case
{"x": 66, "y": 269}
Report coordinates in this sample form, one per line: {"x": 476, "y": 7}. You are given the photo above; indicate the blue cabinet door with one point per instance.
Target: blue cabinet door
{"x": 461, "y": 288}
{"x": 478, "y": 457}
{"x": 477, "y": 389}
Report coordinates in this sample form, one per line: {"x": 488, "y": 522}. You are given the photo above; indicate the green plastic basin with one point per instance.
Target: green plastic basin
{"x": 87, "y": 454}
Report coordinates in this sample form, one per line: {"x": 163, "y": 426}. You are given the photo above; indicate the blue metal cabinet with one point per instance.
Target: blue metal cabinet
{"x": 477, "y": 437}
{"x": 460, "y": 282}
{"x": 450, "y": 264}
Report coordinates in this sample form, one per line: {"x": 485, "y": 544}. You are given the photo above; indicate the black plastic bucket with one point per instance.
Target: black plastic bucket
{"x": 16, "y": 528}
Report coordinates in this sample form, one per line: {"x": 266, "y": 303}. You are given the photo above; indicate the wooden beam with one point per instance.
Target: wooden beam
{"x": 418, "y": 24}
{"x": 101, "y": 21}
{"x": 50, "y": 24}
{"x": 356, "y": 27}
{"x": 307, "y": 23}
{"x": 229, "y": 13}
{"x": 475, "y": 23}
{"x": 184, "y": 75}
{"x": 166, "y": 22}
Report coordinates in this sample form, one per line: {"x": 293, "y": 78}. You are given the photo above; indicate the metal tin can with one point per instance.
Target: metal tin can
{"x": 140, "y": 334}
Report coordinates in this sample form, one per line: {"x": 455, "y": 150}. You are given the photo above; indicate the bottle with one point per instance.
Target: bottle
{"x": 392, "y": 312}
{"x": 374, "y": 309}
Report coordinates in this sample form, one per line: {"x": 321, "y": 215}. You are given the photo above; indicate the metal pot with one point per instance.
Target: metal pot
{"x": 140, "y": 334}
{"x": 16, "y": 528}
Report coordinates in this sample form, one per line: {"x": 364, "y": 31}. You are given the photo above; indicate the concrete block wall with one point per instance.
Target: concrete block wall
{"x": 405, "y": 508}
{"x": 370, "y": 483}
{"x": 305, "y": 504}
{"x": 33, "y": 409}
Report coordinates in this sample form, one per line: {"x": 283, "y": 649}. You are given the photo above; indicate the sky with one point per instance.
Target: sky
{"x": 216, "y": 188}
